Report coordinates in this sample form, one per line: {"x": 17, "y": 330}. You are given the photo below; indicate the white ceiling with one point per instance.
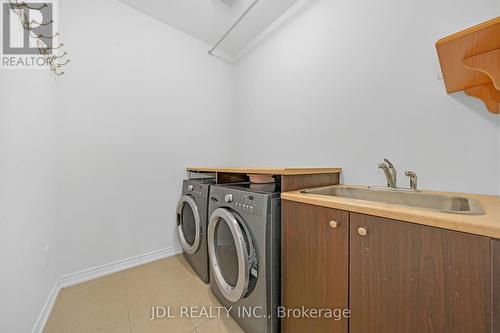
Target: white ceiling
{"x": 208, "y": 20}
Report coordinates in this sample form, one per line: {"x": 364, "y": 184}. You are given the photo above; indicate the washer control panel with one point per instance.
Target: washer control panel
{"x": 246, "y": 203}
{"x": 243, "y": 202}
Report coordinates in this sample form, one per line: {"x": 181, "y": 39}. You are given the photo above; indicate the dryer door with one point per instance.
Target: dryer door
{"x": 188, "y": 224}
{"x": 232, "y": 254}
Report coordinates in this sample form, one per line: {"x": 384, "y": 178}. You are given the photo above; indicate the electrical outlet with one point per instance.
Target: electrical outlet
{"x": 46, "y": 257}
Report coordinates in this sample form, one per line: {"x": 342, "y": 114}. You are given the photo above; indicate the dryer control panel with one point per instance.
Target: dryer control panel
{"x": 196, "y": 188}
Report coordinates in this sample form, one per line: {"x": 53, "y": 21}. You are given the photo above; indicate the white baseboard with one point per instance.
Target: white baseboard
{"x": 97, "y": 272}
{"x": 47, "y": 307}
{"x": 115, "y": 266}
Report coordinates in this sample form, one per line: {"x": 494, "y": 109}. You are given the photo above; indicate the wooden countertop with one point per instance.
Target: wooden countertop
{"x": 484, "y": 225}
{"x": 267, "y": 171}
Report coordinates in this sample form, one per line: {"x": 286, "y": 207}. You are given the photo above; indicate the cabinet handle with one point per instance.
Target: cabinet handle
{"x": 362, "y": 231}
{"x": 333, "y": 224}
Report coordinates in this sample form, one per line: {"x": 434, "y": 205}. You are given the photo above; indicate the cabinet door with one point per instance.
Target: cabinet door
{"x": 416, "y": 279}
{"x": 495, "y": 283}
{"x": 314, "y": 265}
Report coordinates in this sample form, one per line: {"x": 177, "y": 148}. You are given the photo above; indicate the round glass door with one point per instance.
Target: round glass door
{"x": 188, "y": 224}
{"x": 232, "y": 254}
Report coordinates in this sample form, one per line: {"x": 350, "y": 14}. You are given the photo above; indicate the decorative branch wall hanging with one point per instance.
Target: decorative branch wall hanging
{"x": 43, "y": 34}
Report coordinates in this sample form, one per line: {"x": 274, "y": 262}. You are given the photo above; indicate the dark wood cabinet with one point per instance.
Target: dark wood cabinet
{"x": 394, "y": 276}
{"x": 315, "y": 265}
{"x": 495, "y": 284}
{"x": 416, "y": 279}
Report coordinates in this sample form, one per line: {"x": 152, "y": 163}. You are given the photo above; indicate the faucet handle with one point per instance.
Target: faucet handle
{"x": 392, "y": 173}
{"x": 388, "y": 175}
{"x": 389, "y": 164}
{"x": 413, "y": 179}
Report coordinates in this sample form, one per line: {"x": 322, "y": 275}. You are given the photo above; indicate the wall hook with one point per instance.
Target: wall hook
{"x": 41, "y": 24}
{"x": 48, "y": 37}
{"x": 25, "y": 5}
{"x": 43, "y": 49}
{"x": 60, "y": 56}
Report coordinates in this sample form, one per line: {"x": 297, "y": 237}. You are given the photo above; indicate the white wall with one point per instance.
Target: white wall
{"x": 91, "y": 163}
{"x": 347, "y": 83}
{"x": 141, "y": 100}
{"x": 27, "y": 196}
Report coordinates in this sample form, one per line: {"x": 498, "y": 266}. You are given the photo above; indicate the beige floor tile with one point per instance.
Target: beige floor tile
{"x": 122, "y": 329}
{"x": 195, "y": 292}
{"x": 144, "y": 276}
{"x": 177, "y": 325}
{"x": 182, "y": 261}
{"x": 88, "y": 295}
{"x": 122, "y": 302}
{"x": 198, "y": 321}
{"x": 55, "y": 323}
{"x": 141, "y": 326}
{"x": 171, "y": 264}
{"x": 178, "y": 274}
{"x": 108, "y": 315}
{"x": 170, "y": 271}
{"x": 142, "y": 299}
{"x": 95, "y": 306}
{"x": 199, "y": 313}
{"x": 222, "y": 325}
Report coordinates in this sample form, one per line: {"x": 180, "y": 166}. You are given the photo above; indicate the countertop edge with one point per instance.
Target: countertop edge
{"x": 290, "y": 171}
{"x": 400, "y": 213}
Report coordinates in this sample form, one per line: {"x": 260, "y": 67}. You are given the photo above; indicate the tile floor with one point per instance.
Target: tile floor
{"x": 121, "y": 302}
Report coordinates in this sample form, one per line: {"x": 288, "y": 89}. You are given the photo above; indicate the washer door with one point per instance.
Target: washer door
{"x": 188, "y": 224}
{"x": 232, "y": 254}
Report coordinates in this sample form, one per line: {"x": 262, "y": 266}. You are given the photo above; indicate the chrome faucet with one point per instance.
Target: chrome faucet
{"x": 413, "y": 180}
{"x": 390, "y": 172}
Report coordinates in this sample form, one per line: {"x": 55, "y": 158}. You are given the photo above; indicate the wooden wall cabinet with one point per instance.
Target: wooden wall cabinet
{"x": 396, "y": 277}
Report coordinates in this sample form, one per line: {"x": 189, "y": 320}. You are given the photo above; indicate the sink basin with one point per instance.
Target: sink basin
{"x": 435, "y": 202}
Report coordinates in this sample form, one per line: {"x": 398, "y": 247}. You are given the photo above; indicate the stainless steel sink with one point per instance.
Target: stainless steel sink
{"x": 436, "y": 202}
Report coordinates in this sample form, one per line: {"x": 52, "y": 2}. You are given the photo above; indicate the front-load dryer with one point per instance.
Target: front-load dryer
{"x": 244, "y": 250}
{"x": 192, "y": 213}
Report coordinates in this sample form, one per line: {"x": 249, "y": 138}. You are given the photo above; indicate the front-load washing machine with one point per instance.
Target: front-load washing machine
{"x": 244, "y": 250}
{"x": 192, "y": 213}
